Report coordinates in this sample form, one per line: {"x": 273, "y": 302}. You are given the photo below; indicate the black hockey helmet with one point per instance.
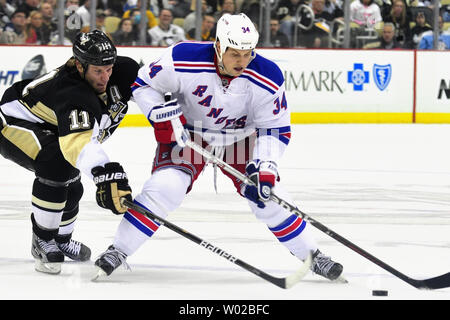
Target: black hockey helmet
{"x": 94, "y": 48}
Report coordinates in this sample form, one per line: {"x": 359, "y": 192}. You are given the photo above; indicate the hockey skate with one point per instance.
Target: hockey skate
{"x": 109, "y": 261}
{"x": 324, "y": 266}
{"x": 75, "y": 250}
{"x": 47, "y": 255}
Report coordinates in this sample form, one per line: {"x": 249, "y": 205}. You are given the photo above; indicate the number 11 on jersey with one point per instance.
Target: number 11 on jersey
{"x": 79, "y": 120}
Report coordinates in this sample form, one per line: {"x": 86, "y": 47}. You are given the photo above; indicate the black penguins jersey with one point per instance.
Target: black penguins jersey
{"x": 66, "y": 104}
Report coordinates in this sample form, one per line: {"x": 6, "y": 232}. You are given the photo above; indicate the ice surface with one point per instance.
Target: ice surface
{"x": 384, "y": 187}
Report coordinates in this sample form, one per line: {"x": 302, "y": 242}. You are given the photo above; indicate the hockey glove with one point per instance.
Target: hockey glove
{"x": 112, "y": 184}
{"x": 168, "y": 122}
{"x": 263, "y": 174}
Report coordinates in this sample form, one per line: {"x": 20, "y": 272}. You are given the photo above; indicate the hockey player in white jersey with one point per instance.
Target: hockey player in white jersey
{"x": 233, "y": 102}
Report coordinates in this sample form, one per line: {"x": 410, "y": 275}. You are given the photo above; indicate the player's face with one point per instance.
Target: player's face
{"x": 98, "y": 76}
{"x": 235, "y": 61}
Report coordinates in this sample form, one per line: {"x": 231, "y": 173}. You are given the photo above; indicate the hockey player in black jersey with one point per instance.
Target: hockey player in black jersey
{"x": 54, "y": 126}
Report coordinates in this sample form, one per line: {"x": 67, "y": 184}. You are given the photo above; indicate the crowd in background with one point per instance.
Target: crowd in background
{"x": 386, "y": 24}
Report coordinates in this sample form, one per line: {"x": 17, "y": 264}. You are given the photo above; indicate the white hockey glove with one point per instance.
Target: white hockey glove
{"x": 168, "y": 122}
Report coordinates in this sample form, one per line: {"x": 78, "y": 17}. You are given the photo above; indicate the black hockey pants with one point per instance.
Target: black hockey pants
{"x": 57, "y": 186}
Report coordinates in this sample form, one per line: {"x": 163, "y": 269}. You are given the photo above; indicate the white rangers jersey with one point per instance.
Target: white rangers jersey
{"x": 225, "y": 110}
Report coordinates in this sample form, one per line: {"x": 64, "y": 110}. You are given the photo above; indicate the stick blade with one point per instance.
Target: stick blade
{"x": 296, "y": 277}
{"x": 439, "y": 282}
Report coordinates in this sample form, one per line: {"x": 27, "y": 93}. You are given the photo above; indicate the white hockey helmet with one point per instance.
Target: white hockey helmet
{"x": 235, "y": 31}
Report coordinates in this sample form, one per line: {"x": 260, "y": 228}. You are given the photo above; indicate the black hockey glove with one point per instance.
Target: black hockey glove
{"x": 112, "y": 184}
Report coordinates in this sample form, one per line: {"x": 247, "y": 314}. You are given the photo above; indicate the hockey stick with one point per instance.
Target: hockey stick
{"x": 284, "y": 283}
{"x": 442, "y": 281}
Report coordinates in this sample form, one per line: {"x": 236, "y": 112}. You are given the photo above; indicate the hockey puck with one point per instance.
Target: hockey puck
{"x": 381, "y": 293}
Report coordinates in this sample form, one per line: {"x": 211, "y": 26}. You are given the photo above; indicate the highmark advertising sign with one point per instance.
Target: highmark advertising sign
{"x": 348, "y": 86}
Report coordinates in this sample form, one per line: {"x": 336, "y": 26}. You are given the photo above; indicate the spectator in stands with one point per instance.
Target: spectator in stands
{"x": 14, "y": 32}
{"x": 365, "y": 13}
{"x": 100, "y": 16}
{"x": 135, "y": 16}
{"x": 53, "y": 3}
{"x": 151, "y": 19}
{"x": 166, "y": 33}
{"x": 136, "y": 21}
{"x": 385, "y": 7}
{"x": 399, "y": 17}
{"x": 33, "y": 28}
{"x": 251, "y": 8}
{"x": 179, "y": 8}
{"x": 317, "y": 36}
{"x": 189, "y": 20}
{"x": 72, "y": 22}
{"x": 208, "y": 24}
{"x": 425, "y": 3}
{"x": 111, "y": 7}
{"x": 72, "y": 3}
{"x": 48, "y": 24}
{"x": 387, "y": 40}
{"x": 334, "y": 7}
{"x": 125, "y": 35}
{"x": 28, "y": 5}
{"x": 212, "y": 5}
{"x": 318, "y": 9}
{"x": 365, "y": 17}
{"x": 84, "y": 11}
{"x": 129, "y": 4}
{"x": 286, "y": 14}
{"x": 445, "y": 12}
{"x": 443, "y": 39}
{"x": 278, "y": 38}
{"x": 154, "y": 6}
{"x": 70, "y": 29}
{"x": 420, "y": 27}
{"x": 6, "y": 11}
{"x": 228, "y": 6}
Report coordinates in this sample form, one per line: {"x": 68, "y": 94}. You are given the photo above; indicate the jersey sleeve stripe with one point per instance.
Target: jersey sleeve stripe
{"x": 138, "y": 83}
{"x": 267, "y": 70}
{"x": 259, "y": 84}
{"x": 195, "y": 70}
{"x": 282, "y": 133}
{"x": 262, "y": 79}
{"x": 193, "y": 67}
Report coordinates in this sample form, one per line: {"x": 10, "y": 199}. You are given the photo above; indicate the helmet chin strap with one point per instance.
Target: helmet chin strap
{"x": 221, "y": 67}
{"x": 219, "y": 57}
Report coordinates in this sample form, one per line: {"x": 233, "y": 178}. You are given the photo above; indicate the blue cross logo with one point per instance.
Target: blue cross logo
{"x": 358, "y": 77}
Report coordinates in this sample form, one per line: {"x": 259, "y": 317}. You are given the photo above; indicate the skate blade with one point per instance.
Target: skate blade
{"x": 47, "y": 267}
{"x": 99, "y": 275}
{"x": 340, "y": 279}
